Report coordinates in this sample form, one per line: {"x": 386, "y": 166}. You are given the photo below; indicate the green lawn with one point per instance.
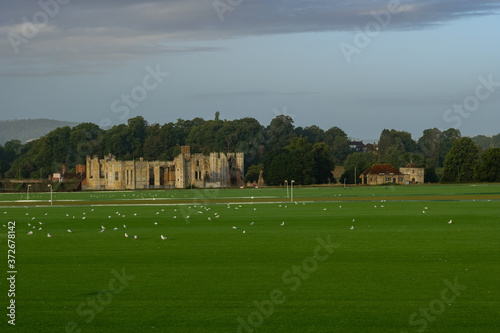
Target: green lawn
{"x": 390, "y": 273}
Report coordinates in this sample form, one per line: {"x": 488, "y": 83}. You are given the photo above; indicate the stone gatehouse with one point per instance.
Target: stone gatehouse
{"x": 215, "y": 170}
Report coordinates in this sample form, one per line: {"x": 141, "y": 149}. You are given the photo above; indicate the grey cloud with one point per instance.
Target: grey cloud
{"x": 100, "y": 31}
{"x": 252, "y": 93}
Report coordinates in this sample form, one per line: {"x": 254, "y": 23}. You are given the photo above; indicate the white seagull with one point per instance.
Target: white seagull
{"x": 49, "y": 235}
{"x": 126, "y": 235}
{"x": 450, "y": 221}
{"x": 282, "y": 223}
{"x": 69, "y": 230}
{"x": 163, "y": 237}
{"x": 352, "y": 228}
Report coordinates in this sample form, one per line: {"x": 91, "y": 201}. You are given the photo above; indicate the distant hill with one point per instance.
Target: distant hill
{"x": 29, "y": 129}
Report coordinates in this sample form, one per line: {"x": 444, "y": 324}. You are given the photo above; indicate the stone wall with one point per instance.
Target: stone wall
{"x": 416, "y": 174}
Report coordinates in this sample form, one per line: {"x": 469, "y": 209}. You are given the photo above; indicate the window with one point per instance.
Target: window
{"x": 400, "y": 179}
{"x": 387, "y": 179}
{"x": 116, "y": 175}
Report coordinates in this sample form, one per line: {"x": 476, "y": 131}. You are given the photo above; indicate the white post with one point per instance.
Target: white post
{"x": 291, "y": 200}
{"x": 286, "y": 183}
{"x": 50, "y": 193}
{"x": 28, "y": 193}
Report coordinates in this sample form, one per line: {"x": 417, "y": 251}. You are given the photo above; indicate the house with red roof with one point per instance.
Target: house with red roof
{"x": 385, "y": 173}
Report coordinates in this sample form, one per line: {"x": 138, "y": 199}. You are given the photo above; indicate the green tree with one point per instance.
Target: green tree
{"x": 461, "y": 161}
{"x": 396, "y": 140}
{"x": 253, "y": 173}
{"x": 154, "y": 147}
{"x": 483, "y": 141}
{"x": 355, "y": 164}
{"x": 495, "y": 141}
{"x": 489, "y": 169}
{"x": 279, "y": 133}
{"x": 338, "y": 142}
{"x": 323, "y": 163}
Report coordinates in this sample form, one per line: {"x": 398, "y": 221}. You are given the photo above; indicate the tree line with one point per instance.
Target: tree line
{"x": 281, "y": 150}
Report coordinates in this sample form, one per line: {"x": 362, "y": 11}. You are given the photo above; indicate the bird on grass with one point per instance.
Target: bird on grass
{"x": 450, "y": 221}
{"x": 49, "y": 235}
{"x": 282, "y": 223}
{"x": 126, "y": 235}
{"x": 251, "y": 223}
{"x": 135, "y": 236}
{"x": 69, "y": 230}
{"x": 352, "y": 228}
{"x": 163, "y": 237}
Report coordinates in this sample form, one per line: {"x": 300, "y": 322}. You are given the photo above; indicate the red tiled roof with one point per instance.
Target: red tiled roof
{"x": 377, "y": 169}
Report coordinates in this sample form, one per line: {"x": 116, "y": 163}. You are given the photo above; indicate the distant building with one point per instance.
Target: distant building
{"x": 385, "y": 173}
{"x": 215, "y": 170}
{"x": 359, "y": 146}
{"x": 416, "y": 173}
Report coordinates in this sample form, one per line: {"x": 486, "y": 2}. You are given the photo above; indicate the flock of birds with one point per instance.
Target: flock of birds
{"x": 184, "y": 211}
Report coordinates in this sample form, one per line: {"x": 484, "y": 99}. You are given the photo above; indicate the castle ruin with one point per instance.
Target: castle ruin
{"x": 186, "y": 170}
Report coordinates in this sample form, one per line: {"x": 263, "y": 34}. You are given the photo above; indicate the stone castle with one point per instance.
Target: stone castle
{"x": 186, "y": 170}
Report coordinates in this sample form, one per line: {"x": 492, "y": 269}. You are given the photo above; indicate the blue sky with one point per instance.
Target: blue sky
{"x": 423, "y": 64}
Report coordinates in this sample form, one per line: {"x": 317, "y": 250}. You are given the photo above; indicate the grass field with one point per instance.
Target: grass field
{"x": 366, "y": 259}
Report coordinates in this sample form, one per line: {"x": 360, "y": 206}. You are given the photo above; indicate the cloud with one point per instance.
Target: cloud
{"x": 252, "y": 93}
{"x": 97, "y": 33}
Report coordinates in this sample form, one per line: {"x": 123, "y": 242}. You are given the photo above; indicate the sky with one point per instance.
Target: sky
{"x": 363, "y": 66}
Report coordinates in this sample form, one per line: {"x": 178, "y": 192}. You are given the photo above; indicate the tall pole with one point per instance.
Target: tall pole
{"x": 286, "y": 183}
{"x": 293, "y": 181}
{"x": 28, "y": 193}
{"x": 354, "y": 175}
{"x": 50, "y": 194}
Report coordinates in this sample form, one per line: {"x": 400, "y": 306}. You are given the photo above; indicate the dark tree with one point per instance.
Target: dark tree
{"x": 461, "y": 162}
{"x": 489, "y": 169}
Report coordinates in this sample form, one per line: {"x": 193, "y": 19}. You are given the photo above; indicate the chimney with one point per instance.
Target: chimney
{"x": 64, "y": 169}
